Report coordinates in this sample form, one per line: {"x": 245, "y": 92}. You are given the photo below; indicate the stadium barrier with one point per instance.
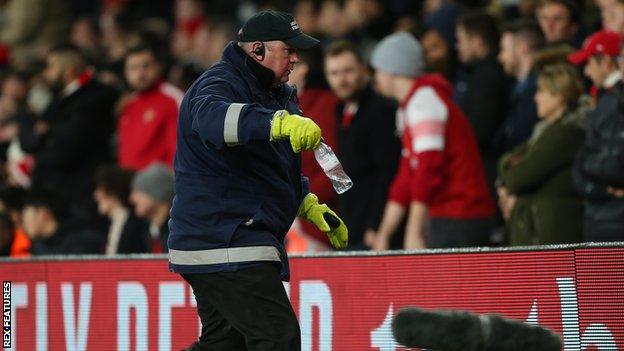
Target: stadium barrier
{"x": 344, "y": 301}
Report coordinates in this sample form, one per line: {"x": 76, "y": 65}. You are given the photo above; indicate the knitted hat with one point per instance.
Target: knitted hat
{"x": 399, "y": 54}
{"x": 155, "y": 181}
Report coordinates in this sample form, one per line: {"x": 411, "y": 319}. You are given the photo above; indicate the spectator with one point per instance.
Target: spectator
{"x": 72, "y": 137}
{"x": 612, "y": 15}
{"x": 13, "y": 108}
{"x": 189, "y": 17}
{"x": 439, "y": 41}
{"x": 519, "y": 43}
{"x": 147, "y": 124}
{"x": 318, "y": 103}
{"x": 440, "y": 178}
{"x": 6, "y": 235}
{"x": 481, "y": 86}
{"x": 599, "y": 167}
{"x": 52, "y": 231}
{"x": 126, "y": 233}
{"x": 560, "y": 22}
{"x": 30, "y": 27}
{"x": 536, "y": 194}
{"x": 362, "y": 116}
{"x": 151, "y": 195}
{"x": 209, "y": 41}
{"x": 12, "y": 203}
{"x": 86, "y": 35}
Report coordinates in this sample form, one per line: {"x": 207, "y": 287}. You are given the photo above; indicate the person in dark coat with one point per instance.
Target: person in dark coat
{"x": 481, "y": 87}
{"x": 362, "y": 115}
{"x": 238, "y": 188}
{"x": 7, "y": 234}
{"x": 72, "y": 137}
{"x": 126, "y": 232}
{"x": 599, "y": 167}
{"x": 519, "y": 43}
{"x": 536, "y": 193}
{"x": 52, "y": 231}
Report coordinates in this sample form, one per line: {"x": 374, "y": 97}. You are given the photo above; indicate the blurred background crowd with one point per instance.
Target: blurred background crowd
{"x": 90, "y": 91}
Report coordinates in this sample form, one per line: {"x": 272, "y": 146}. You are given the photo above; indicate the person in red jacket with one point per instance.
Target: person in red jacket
{"x": 147, "y": 125}
{"x": 441, "y": 183}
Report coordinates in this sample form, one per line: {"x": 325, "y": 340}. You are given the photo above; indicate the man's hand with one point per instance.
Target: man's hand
{"x": 303, "y": 133}
{"x": 506, "y": 202}
{"x": 381, "y": 242}
{"x": 316, "y": 213}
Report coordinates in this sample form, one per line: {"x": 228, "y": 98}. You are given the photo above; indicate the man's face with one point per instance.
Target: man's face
{"x": 555, "y": 21}
{"x": 54, "y": 72}
{"x": 144, "y": 205}
{"x": 105, "y": 202}
{"x": 597, "y": 70}
{"x": 436, "y": 50}
{"x": 613, "y": 17}
{"x": 383, "y": 84}
{"x": 142, "y": 70}
{"x": 344, "y": 74}
{"x": 507, "y": 55}
{"x": 465, "y": 45}
{"x": 281, "y": 59}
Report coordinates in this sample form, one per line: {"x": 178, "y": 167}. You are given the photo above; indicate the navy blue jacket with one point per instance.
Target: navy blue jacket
{"x": 237, "y": 192}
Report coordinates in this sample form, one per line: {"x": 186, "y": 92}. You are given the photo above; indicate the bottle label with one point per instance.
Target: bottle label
{"x": 328, "y": 163}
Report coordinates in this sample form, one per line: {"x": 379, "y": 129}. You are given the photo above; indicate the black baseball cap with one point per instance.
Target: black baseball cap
{"x": 276, "y": 25}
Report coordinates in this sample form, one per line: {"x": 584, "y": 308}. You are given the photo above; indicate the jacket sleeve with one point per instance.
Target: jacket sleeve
{"x": 399, "y": 189}
{"x": 305, "y": 186}
{"x": 585, "y": 186}
{"x": 605, "y": 163}
{"x": 427, "y": 116}
{"x": 220, "y": 119}
{"x": 555, "y": 149}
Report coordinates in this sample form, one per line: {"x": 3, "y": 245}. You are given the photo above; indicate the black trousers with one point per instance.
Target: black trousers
{"x": 451, "y": 233}
{"x": 244, "y": 310}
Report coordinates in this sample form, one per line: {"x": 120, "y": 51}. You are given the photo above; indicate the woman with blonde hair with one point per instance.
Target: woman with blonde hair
{"x": 535, "y": 188}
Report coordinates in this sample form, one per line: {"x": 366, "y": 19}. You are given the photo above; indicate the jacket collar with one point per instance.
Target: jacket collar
{"x": 77, "y": 83}
{"x": 259, "y": 76}
{"x": 235, "y": 54}
{"x": 612, "y": 79}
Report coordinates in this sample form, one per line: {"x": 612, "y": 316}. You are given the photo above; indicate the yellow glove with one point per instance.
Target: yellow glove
{"x": 303, "y": 133}
{"x": 321, "y": 216}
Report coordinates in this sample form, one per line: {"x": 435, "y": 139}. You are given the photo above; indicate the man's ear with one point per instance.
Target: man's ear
{"x": 257, "y": 50}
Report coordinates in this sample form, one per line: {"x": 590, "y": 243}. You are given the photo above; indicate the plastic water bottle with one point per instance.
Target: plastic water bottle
{"x": 332, "y": 168}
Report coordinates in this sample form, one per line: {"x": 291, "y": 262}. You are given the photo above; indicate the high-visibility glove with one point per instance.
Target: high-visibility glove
{"x": 303, "y": 133}
{"x": 325, "y": 220}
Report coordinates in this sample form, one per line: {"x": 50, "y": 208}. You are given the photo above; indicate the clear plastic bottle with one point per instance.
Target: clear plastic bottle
{"x": 332, "y": 168}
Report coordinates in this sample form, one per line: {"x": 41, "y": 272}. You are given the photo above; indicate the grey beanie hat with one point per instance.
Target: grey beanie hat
{"x": 156, "y": 181}
{"x": 400, "y": 54}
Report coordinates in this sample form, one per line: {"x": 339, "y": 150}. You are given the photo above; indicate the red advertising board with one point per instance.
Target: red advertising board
{"x": 343, "y": 303}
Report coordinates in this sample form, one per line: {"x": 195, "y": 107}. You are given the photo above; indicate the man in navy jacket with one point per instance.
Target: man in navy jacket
{"x": 239, "y": 186}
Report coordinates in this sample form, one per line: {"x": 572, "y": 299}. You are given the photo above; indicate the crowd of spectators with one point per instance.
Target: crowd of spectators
{"x": 90, "y": 91}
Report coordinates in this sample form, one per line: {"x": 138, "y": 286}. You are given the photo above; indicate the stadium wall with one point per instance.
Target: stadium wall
{"x": 344, "y": 301}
